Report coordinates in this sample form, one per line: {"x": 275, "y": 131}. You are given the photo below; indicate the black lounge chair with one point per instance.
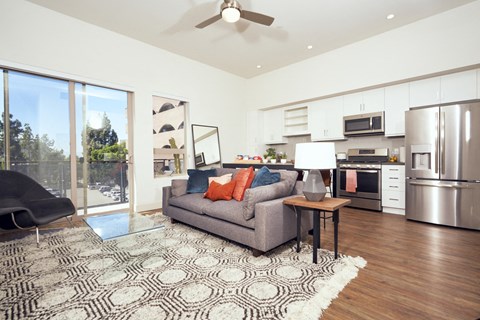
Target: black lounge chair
{"x": 25, "y": 204}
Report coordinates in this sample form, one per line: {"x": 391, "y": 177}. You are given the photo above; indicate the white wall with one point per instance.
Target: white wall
{"x": 42, "y": 40}
{"x": 442, "y": 42}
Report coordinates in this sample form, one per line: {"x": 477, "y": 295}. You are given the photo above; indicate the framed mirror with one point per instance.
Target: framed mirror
{"x": 206, "y": 145}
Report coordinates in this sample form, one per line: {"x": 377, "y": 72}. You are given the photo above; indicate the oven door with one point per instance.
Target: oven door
{"x": 369, "y": 184}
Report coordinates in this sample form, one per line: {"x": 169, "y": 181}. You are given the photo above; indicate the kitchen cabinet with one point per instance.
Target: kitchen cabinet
{"x": 453, "y": 87}
{"x": 393, "y": 189}
{"x": 295, "y": 121}
{"x": 478, "y": 84}
{"x": 325, "y": 119}
{"x": 273, "y": 127}
{"x": 364, "y": 102}
{"x": 396, "y": 103}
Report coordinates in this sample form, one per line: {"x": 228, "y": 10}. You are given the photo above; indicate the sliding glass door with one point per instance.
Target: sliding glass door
{"x": 101, "y": 135}
{"x": 70, "y": 137}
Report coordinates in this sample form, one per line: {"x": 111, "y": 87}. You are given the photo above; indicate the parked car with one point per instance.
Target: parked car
{"x": 102, "y": 189}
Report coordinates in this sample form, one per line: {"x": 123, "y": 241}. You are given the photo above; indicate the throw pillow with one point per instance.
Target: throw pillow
{"x": 217, "y": 191}
{"x": 264, "y": 177}
{"x": 198, "y": 180}
{"x": 244, "y": 178}
{"x": 226, "y": 178}
{"x": 264, "y": 193}
{"x": 179, "y": 187}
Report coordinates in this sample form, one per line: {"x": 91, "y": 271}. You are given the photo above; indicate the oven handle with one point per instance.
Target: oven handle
{"x": 362, "y": 170}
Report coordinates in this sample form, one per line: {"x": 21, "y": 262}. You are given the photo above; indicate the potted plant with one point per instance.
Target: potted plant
{"x": 283, "y": 158}
{"x": 265, "y": 157}
{"x": 271, "y": 155}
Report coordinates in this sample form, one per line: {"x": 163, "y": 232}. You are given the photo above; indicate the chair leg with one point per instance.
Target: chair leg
{"x": 70, "y": 222}
{"x": 38, "y": 237}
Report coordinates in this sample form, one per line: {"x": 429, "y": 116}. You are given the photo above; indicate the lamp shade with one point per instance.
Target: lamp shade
{"x": 315, "y": 155}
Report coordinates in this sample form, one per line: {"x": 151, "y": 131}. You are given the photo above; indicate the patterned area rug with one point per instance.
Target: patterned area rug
{"x": 173, "y": 273}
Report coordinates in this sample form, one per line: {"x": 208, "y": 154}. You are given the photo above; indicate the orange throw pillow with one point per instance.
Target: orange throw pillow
{"x": 244, "y": 178}
{"x": 217, "y": 191}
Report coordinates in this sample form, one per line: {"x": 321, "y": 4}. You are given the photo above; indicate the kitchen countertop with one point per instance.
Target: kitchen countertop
{"x": 393, "y": 163}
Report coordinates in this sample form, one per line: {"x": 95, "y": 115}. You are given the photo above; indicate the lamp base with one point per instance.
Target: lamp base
{"x": 314, "y": 189}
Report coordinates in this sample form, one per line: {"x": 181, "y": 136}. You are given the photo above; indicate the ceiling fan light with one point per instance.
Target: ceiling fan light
{"x": 230, "y": 14}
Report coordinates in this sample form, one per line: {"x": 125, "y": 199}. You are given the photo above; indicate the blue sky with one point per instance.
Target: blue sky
{"x": 43, "y": 104}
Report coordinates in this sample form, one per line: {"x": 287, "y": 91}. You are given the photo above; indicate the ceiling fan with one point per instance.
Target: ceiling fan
{"x": 231, "y": 11}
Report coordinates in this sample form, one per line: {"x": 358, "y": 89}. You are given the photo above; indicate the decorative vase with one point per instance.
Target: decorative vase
{"x": 283, "y": 161}
{"x": 273, "y": 160}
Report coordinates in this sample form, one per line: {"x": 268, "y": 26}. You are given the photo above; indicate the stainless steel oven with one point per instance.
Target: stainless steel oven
{"x": 365, "y": 166}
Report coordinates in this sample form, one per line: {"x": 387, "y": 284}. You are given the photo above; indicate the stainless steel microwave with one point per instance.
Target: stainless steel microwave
{"x": 366, "y": 123}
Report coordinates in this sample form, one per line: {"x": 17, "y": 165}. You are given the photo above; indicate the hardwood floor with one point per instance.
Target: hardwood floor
{"x": 414, "y": 270}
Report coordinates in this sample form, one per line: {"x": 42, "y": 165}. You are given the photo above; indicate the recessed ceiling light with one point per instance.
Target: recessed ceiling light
{"x": 309, "y": 47}
{"x": 259, "y": 66}
{"x": 390, "y": 16}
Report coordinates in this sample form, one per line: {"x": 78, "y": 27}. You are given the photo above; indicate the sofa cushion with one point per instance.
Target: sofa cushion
{"x": 226, "y": 178}
{"x": 198, "y": 180}
{"x": 230, "y": 211}
{"x": 288, "y": 175}
{"x": 179, "y": 187}
{"x": 264, "y": 177}
{"x": 244, "y": 178}
{"x": 223, "y": 171}
{"x": 192, "y": 202}
{"x": 217, "y": 191}
{"x": 263, "y": 193}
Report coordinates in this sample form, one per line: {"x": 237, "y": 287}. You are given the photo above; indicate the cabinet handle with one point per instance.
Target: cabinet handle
{"x": 393, "y": 187}
{"x": 392, "y": 169}
{"x": 393, "y": 199}
{"x": 393, "y": 178}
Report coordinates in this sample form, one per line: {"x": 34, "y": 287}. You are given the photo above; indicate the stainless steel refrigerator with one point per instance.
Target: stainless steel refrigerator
{"x": 443, "y": 165}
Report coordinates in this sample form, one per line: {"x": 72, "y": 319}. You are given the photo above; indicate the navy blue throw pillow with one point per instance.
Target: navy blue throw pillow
{"x": 198, "y": 180}
{"x": 264, "y": 177}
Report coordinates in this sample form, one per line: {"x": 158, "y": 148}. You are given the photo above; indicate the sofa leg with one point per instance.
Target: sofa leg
{"x": 257, "y": 253}
{"x": 173, "y": 221}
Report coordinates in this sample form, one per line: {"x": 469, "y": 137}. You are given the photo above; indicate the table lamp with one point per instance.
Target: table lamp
{"x": 315, "y": 156}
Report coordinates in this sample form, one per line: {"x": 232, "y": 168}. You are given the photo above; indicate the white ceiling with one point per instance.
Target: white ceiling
{"x": 238, "y": 48}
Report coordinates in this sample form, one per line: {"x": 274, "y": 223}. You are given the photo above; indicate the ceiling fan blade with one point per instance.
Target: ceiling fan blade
{"x": 207, "y": 22}
{"x": 257, "y": 17}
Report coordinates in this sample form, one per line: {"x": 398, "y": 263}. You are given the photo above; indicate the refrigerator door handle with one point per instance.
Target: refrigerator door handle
{"x": 441, "y": 185}
{"x": 436, "y": 142}
{"x": 442, "y": 141}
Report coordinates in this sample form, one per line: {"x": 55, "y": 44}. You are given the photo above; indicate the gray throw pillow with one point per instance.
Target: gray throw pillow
{"x": 179, "y": 187}
{"x": 264, "y": 193}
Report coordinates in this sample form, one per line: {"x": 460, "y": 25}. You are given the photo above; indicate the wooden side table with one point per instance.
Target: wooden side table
{"x": 326, "y": 205}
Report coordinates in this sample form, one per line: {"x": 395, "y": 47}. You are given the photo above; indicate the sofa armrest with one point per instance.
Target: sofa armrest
{"x": 276, "y": 223}
{"x": 166, "y": 195}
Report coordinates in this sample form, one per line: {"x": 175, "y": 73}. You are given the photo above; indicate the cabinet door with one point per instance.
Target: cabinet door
{"x": 273, "y": 126}
{"x": 353, "y": 103}
{"x": 373, "y": 100}
{"x": 478, "y": 84}
{"x": 334, "y": 124}
{"x": 326, "y": 119}
{"x": 396, "y": 103}
{"x": 317, "y": 120}
{"x": 425, "y": 92}
{"x": 459, "y": 86}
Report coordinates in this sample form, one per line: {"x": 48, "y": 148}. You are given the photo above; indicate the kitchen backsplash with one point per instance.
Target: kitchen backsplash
{"x": 343, "y": 146}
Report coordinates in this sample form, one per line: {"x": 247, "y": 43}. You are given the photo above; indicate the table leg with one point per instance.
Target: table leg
{"x": 316, "y": 233}
{"x": 335, "y": 231}
{"x": 299, "y": 222}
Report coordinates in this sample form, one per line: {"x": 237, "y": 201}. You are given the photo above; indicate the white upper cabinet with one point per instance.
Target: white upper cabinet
{"x": 295, "y": 121}
{"x": 364, "y": 102}
{"x": 458, "y": 86}
{"x": 478, "y": 84}
{"x": 454, "y": 87}
{"x": 273, "y": 126}
{"x": 425, "y": 92}
{"x": 396, "y": 103}
{"x": 325, "y": 119}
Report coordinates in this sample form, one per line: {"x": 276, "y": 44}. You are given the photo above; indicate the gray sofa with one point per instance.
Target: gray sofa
{"x": 260, "y": 221}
